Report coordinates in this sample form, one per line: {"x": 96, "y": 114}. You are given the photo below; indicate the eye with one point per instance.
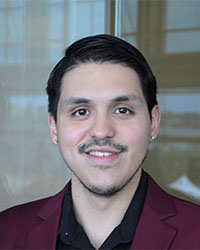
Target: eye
{"x": 123, "y": 111}
{"x": 81, "y": 112}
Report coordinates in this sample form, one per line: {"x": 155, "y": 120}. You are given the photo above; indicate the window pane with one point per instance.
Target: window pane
{"x": 2, "y": 55}
{"x": 3, "y": 3}
{"x": 15, "y": 25}
{"x": 182, "y": 14}
{"x": 56, "y": 22}
{"x": 55, "y": 52}
{"x": 2, "y": 27}
{"x": 14, "y": 55}
{"x": 15, "y": 3}
{"x": 186, "y": 41}
{"x": 87, "y": 18}
{"x": 129, "y": 9}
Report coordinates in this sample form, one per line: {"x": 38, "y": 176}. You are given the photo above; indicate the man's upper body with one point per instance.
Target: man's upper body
{"x": 103, "y": 113}
{"x": 165, "y": 223}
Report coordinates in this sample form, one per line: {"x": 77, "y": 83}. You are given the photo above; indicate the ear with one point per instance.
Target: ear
{"x": 52, "y": 129}
{"x": 155, "y": 121}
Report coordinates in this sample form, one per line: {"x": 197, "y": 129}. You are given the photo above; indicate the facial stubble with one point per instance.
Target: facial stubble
{"x": 110, "y": 191}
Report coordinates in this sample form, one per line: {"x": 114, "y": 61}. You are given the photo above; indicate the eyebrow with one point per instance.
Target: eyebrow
{"x": 81, "y": 100}
{"x": 75, "y": 101}
{"x": 127, "y": 98}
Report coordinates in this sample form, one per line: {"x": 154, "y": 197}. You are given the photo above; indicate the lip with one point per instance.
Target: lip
{"x": 104, "y": 160}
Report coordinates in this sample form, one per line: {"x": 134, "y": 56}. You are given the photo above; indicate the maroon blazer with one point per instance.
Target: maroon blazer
{"x": 165, "y": 223}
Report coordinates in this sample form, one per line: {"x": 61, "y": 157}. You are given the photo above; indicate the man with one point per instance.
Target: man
{"x": 103, "y": 113}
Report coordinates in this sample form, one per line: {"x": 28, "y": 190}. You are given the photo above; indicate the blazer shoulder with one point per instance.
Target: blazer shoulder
{"x": 16, "y": 222}
{"x": 29, "y": 209}
{"x": 187, "y": 212}
{"x": 176, "y": 213}
{"x": 21, "y": 212}
{"x": 160, "y": 200}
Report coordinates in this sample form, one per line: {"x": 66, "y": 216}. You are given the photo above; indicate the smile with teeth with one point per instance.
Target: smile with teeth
{"x": 100, "y": 154}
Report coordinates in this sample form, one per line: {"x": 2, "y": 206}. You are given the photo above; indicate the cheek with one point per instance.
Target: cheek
{"x": 134, "y": 134}
{"x": 71, "y": 136}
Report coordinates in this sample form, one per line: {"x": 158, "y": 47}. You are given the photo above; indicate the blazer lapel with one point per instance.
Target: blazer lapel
{"x": 44, "y": 234}
{"x": 153, "y": 232}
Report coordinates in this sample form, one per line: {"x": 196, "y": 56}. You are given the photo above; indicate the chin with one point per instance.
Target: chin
{"x": 104, "y": 190}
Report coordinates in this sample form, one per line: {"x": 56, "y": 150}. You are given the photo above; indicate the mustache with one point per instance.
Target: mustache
{"x": 105, "y": 142}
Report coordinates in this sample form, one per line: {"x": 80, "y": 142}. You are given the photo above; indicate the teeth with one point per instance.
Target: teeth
{"x": 100, "y": 154}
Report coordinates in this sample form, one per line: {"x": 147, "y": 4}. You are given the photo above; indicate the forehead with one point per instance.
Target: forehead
{"x": 105, "y": 80}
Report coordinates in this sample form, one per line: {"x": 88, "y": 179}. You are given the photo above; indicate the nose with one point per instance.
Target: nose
{"x": 102, "y": 127}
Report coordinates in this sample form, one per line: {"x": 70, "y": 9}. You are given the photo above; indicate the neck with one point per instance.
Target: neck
{"x": 99, "y": 215}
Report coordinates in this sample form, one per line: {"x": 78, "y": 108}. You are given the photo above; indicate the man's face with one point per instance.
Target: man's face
{"x": 103, "y": 126}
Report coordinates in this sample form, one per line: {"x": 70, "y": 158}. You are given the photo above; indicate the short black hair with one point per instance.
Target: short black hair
{"x": 99, "y": 49}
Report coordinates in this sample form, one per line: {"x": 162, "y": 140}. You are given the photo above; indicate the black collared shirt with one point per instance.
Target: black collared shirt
{"x": 72, "y": 236}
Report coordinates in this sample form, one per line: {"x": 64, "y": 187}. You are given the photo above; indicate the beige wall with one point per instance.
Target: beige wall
{"x": 33, "y": 36}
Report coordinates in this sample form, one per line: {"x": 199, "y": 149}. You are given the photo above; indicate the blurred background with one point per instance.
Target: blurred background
{"x": 33, "y": 37}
